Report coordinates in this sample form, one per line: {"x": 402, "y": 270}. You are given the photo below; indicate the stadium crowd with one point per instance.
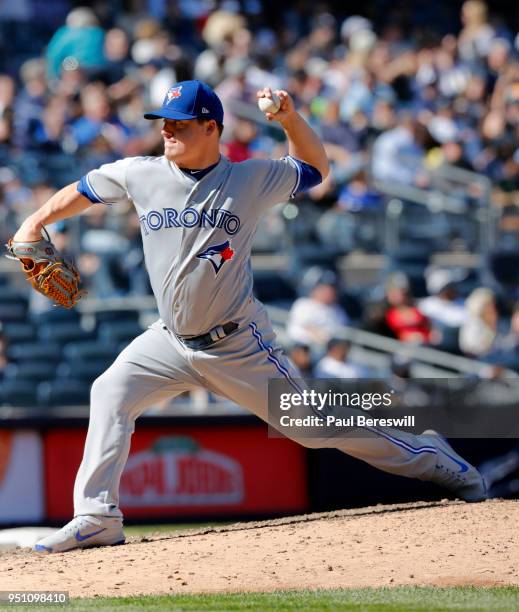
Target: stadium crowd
{"x": 396, "y": 94}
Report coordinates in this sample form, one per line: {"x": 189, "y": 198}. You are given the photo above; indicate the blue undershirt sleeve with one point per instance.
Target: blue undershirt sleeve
{"x": 307, "y": 175}
{"x": 86, "y": 189}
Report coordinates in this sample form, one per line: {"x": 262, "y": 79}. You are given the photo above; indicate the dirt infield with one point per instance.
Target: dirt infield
{"x": 443, "y": 544}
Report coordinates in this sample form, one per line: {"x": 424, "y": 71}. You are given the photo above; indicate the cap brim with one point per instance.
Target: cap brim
{"x": 163, "y": 113}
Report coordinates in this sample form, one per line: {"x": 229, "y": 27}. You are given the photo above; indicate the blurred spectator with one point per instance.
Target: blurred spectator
{"x": 505, "y": 349}
{"x": 451, "y": 151}
{"x": 398, "y": 154}
{"x": 335, "y": 363}
{"x": 343, "y": 141}
{"x": 30, "y": 101}
{"x": 479, "y": 331}
{"x": 476, "y": 36}
{"x": 301, "y": 356}
{"x": 398, "y": 313}
{"x": 353, "y": 24}
{"x": 48, "y": 130}
{"x": 116, "y": 54}
{"x": 233, "y": 89}
{"x": 78, "y": 43}
{"x": 98, "y": 120}
{"x": 316, "y": 318}
{"x": 7, "y": 92}
{"x": 107, "y": 257}
{"x": 239, "y": 148}
{"x": 335, "y": 131}
{"x": 510, "y": 341}
{"x": 364, "y": 93}
{"x": 15, "y": 199}
{"x": 221, "y": 33}
{"x": 357, "y": 195}
{"x": 442, "y": 305}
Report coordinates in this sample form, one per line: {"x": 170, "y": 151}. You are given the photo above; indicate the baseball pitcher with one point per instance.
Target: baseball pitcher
{"x": 198, "y": 213}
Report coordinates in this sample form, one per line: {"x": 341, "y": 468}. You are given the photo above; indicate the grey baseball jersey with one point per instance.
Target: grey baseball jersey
{"x": 197, "y": 239}
{"x": 197, "y": 234}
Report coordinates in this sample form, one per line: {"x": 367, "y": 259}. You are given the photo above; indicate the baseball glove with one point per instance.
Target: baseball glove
{"x": 47, "y": 270}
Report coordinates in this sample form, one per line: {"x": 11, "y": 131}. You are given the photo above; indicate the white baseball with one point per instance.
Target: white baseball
{"x": 268, "y": 105}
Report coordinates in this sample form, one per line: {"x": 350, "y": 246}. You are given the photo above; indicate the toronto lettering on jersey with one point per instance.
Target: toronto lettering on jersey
{"x": 168, "y": 218}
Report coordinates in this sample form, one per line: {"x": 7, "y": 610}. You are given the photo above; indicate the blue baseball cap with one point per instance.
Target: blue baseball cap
{"x": 189, "y": 100}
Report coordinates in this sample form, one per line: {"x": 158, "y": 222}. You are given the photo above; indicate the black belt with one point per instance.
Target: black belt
{"x": 205, "y": 340}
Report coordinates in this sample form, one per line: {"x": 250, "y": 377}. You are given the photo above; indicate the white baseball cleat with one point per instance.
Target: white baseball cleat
{"x": 456, "y": 474}
{"x": 84, "y": 532}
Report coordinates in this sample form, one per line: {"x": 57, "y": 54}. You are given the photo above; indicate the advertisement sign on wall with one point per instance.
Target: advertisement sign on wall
{"x": 21, "y": 484}
{"x": 176, "y": 471}
{"x": 188, "y": 471}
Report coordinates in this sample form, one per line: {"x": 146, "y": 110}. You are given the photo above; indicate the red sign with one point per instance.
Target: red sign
{"x": 182, "y": 471}
{"x": 21, "y": 479}
{"x": 176, "y": 471}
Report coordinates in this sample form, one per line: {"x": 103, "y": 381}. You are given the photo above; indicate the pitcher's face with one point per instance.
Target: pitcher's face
{"x": 186, "y": 141}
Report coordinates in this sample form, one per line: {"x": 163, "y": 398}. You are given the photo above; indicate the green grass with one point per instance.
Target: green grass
{"x": 399, "y": 599}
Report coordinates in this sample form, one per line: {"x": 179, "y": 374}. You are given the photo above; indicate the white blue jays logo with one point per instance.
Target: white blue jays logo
{"x": 217, "y": 255}
{"x": 174, "y": 92}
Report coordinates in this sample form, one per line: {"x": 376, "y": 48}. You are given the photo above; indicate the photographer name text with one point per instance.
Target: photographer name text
{"x": 357, "y": 420}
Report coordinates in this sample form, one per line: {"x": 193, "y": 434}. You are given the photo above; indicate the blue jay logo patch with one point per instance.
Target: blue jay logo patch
{"x": 174, "y": 92}
{"x": 217, "y": 255}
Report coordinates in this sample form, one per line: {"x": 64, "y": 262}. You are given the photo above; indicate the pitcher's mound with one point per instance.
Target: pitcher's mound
{"x": 443, "y": 544}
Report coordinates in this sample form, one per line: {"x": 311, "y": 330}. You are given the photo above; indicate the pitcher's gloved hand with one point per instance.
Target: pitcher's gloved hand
{"x": 47, "y": 270}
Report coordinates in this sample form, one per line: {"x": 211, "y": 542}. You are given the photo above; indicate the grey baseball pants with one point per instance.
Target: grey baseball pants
{"x": 157, "y": 366}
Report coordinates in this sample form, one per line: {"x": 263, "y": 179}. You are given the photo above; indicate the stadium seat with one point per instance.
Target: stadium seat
{"x": 63, "y": 392}
{"x": 9, "y": 295}
{"x": 411, "y": 259}
{"x": 301, "y": 228}
{"x": 271, "y": 287}
{"x": 15, "y": 312}
{"x": 304, "y": 256}
{"x": 503, "y": 269}
{"x": 18, "y": 393}
{"x": 342, "y": 232}
{"x": 19, "y": 332}
{"x": 118, "y": 331}
{"x": 47, "y": 351}
{"x": 86, "y": 371}
{"x": 449, "y": 340}
{"x": 64, "y": 332}
{"x": 92, "y": 350}
{"x": 117, "y": 315}
{"x": 352, "y": 304}
{"x": 30, "y": 370}
{"x": 417, "y": 223}
{"x": 507, "y": 359}
{"x": 56, "y": 315}
{"x": 122, "y": 345}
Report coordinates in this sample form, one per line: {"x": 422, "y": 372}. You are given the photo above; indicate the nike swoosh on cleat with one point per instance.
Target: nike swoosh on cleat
{"x": 463, "y": 466}
{"x": 82, "y": 538}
